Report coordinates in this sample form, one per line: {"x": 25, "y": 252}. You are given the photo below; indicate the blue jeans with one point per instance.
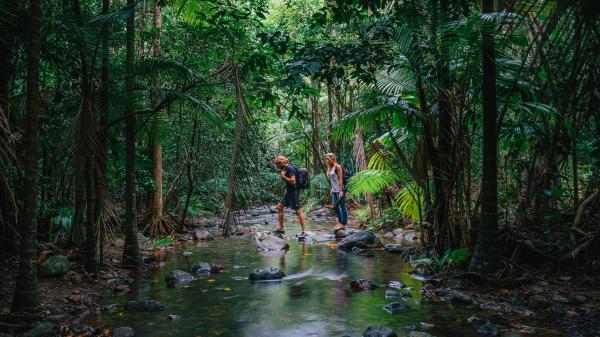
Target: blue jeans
{"x": 341, "y": 211}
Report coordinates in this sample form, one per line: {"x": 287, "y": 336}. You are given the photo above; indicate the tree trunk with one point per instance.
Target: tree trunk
{"x": 26, "y": 291}
{"x": 361, "y": 164}
{"x": 485, "y": 258}
{"x": 313, "y": 106}
{"x": 190, "y": 177}
{"x": 131, "y": 251}
{"x": 231, "y": 177}
{"x": 101, "y": 187}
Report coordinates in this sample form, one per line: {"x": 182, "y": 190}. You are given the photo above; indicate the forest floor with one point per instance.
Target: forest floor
{"x": 571, "y": 301}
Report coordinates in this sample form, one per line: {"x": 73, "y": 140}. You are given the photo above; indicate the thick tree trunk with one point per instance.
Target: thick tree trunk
{"x": 26, "y": 291}
{"x": 131, "y": 251}
{"x": 486, "y": 257}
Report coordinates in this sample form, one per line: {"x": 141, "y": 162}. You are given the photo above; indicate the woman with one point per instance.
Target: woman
{"x": 336, "y": 177}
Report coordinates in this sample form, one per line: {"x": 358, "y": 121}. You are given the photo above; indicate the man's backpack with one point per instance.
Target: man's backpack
{"x": 302, "y": 181}
{"x": 346, "y": 175}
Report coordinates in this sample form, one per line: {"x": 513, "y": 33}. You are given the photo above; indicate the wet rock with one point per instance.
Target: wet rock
{"x": 459, "y": 297}
{"x": 362, "y": 285}
{"x": 579, "y": 299}
{"x": 266, "y": 274}
{"x": 201, "y": 268}
{"x": 144, "y": 305}
{"x": 360, "y": 239}
{"x": 557, "y": 311}
{"x": 395, "y": 307}
{"x": 270, "y": 242}
{"x": 340, "y": 234}
{"x": 72, "y": 276}
{"x": 217, "y": 268}
{"x": 186, "y": 254}
{"x": 204, "y": 235}
{"x": 538, "y": 302}
{"x": 405, "y": 296}
{"x": 473, "y": 319}
{"x": 123, "y": 332}
{"x": 109, "y": 307}
{"x": 396, "y": 284}
{"x": 488, "y": 329}
{"x": 418, "y": 334}
{"x": 82, "y": 330}
{"x": 178, "y": 276}
{"x": 393, "y": 248}
{"x": 398, "y": 231}
{"x": 498, "y": 319}
{"x": 54, "y": 265}
{"x": 512, "y": 334}
{"x": 42, "y": 330}
{"x": 379, "y": 331}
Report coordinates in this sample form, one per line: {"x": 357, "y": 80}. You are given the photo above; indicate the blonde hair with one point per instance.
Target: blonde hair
{"x": 330, "y": 155}
{"x": 280, "y": 158}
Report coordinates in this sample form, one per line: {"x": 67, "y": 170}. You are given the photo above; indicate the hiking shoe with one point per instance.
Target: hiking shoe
{"x": 279, "y": 231}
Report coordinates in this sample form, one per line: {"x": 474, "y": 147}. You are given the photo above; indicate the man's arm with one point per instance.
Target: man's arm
{"x": 290, "y": 180}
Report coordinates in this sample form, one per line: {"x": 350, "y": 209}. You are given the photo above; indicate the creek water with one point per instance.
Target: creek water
{"x": 314, "y": 299}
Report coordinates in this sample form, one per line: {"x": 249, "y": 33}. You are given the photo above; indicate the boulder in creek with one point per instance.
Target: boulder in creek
{"x": 379, "y": 331}
{"x": 362, "y": 285}
{"x": 203, "y": 235}
{"x": 459, "y": 297}
{"x": 201, "y": 268}
{"x": 488, "y": 329}
{"x": 178, "y": 277}
{"x": 270, "y": 242}
{"x": 393, "y": 248}
{"x": 144, "y": 305}
{"x": 395, "y": 307}
{"x": 123, "y": 331}
{"x": 538, "y": 302}
{"x": 361, "y": 240}
{"x": 419, "y": 334}
{"x": 217, "y": 268}
{"x": 54, "y": 265}
{"x": 266, "y": 274}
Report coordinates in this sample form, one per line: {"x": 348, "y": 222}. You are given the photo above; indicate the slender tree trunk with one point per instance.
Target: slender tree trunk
{"x": 316, "y": 129}
{"x": 233, "y": 163}
{"x": 131, "y": 251}
{"x": 190, "y": 177}
{"x": 361, "y": 164}
{"x": 486, "y": 257}
{"x": 101, "y": 187}
{"x": 26, "y": 292}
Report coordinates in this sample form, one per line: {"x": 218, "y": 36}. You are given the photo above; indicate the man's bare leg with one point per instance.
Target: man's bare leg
{"x": 280, "y": 215}
{"x": 301, "y": 217}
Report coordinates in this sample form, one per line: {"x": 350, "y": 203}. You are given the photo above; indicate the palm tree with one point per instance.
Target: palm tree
{"x": 26, "y": 292}
{"x": 485, "y": 258}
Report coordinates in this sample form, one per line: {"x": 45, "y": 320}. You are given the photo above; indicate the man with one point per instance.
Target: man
{"x": 291, "y": 199}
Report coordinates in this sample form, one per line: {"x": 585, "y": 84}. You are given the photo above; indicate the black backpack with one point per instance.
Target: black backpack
{"x": 302, "y": 181}
{"x": 346, "y": 175}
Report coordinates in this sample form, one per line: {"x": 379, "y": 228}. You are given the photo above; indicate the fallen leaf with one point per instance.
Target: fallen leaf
{"x": 227, "y": 289}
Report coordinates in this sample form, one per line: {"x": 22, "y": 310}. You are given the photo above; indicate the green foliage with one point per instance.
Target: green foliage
{"x": 452, "y": 259}
{"x": 168, "y": 241}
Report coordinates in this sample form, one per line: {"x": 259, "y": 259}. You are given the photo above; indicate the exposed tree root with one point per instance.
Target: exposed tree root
{"x": 156, "y": 225}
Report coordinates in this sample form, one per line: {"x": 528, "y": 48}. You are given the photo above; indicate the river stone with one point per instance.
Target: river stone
{"x": 270, "y": 242}
{"x": 217, "y": 268}
{"x": 123, "y": 331}
{"x": 579, "y": 299}
{"x": 379, "y": 331}
{"x": 512, "y": 334}
{"x": 144, "y": 305}
{"x": 362, "y": 285}
{"x": 488, "y": 329}
{"x": 361, "y": 240}
{"x": 459, "y": 297}
{"x": 538, "y": 302}
{"x": 201, "y": 268}
{"x": 55, "y": 265}
{"x": 266, "y": 274}
{"x": 393, "y": 248}
{"x": 200, "y": 234}
{"x": 395, "y": 307}
{"x": 42, "y": 330}
{"x": 178, "y": 276}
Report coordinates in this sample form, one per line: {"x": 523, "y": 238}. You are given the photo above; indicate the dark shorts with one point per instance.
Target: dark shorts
{"x": 291, "y": 199}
